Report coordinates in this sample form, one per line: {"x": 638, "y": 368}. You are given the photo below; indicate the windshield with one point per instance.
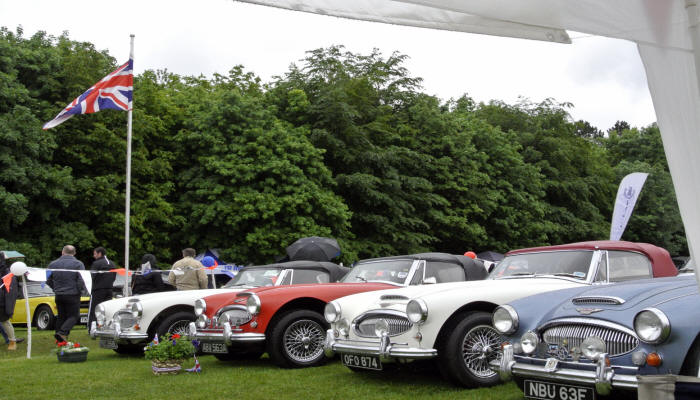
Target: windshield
{"x": 573, "y": 264}
{"x": 395, "y": 271}
{"x": 36, "y": 290}
{"x": 254, "y": 277}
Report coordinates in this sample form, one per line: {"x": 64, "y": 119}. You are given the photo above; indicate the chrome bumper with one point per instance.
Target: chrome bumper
{"x": 116, "y": 333}
{"x": 384, "y": 349}
{"x": 227, "y": 336}
{"x": 604, "y": 378}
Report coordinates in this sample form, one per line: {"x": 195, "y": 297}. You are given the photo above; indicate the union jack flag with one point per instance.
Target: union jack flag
{"x": 113, "y": 91}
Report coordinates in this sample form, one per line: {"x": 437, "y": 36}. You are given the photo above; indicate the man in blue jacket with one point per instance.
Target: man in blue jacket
{"x": 67, "y": 287}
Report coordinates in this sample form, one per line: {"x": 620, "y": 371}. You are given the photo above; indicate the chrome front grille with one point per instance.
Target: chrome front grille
{"x": 125, "y": 318}
{"x": 364, "y": 324}
{"x": 618, "y": 339}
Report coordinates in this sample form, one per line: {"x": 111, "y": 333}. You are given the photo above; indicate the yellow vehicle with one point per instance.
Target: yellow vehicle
{"x": 42, "y": 307}
{"x": 42, "y": 304}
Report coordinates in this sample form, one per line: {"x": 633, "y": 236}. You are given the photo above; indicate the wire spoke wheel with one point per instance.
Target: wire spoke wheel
{"x": 179, "y": 327}
{"x": 481, "y": 345}
{"x": 303, "y": 340}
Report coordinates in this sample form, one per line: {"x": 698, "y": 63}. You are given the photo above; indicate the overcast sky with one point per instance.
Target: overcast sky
{"x": 603, "y": 78}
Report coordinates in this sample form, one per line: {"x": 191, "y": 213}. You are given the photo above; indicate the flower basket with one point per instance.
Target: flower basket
{"x": 168, "y": 367}
{"x": 72, "y": 356}
{"x": 71, "y": 352}
{"x": 168, "y": 354}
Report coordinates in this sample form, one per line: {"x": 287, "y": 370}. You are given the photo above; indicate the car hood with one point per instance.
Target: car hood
{"x": 160, "y": 298}
{"x": 449, "y": 296}
{"x": 605, "y": 302}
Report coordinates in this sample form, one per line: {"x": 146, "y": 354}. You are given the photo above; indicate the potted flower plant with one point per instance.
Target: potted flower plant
{"x": 71, "y": 351}
{"x": 168, "y": 353}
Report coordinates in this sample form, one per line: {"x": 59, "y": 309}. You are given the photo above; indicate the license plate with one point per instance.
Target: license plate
{"x": 108, "y": 343}
{"x": 366, "y": 362}
{"x": 214, "y": 348}
{"x": 83, "y": 319}
{"x": 556, "y": 391}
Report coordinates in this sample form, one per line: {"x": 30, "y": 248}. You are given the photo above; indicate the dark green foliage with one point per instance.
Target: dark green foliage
{"x": 342, "y": 145}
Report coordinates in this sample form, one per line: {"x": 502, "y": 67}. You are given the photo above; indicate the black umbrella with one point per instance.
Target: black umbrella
{"x": 490, "y": 255}
{"x": 314, "y": 248}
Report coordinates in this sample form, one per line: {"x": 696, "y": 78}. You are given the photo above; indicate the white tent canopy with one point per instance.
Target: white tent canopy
{"x": 666, "y": 33}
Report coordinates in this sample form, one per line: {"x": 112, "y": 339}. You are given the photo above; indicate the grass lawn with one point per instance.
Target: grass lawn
{"x": 108, "y": 375}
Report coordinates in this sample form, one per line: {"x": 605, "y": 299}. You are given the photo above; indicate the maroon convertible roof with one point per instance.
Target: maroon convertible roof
{"x": 660, "y": 259}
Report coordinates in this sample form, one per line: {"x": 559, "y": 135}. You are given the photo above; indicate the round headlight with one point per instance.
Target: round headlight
{"x": 417, "y": 311}
{"x": 652, "y": 325}
{"x": 505, "y": 320}
{"x": 332, "y": 312}
{"x": 592, "y": 347}
{"x": 343, "y": 327}
{"x": 136, "y": 309}
{"x": 253, "y": 304}
{"x": 201, "y": 322}
{"x": 529, "y": 342}
{"x": 381, "y": 327}
{"x": 200, "y": 306}
{"x": 100, "y": 314}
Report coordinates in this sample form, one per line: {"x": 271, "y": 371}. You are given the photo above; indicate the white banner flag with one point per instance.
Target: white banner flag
{"x": 626, "y": 198}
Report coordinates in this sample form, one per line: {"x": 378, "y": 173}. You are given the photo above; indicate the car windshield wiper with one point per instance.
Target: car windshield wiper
{"x": 359, "y": 278}
{"x": 568, "y": 274}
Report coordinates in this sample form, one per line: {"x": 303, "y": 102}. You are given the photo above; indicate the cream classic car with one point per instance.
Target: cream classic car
{"x": 126, "y": 323}
{"x": 451, "y": 322}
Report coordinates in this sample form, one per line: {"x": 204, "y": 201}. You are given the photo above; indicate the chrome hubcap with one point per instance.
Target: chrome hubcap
{"x": 303, "y": 340}
{"x": 479, "y": 348}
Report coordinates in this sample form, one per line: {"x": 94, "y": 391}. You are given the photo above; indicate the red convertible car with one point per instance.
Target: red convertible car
{"x": 288, "y": 322}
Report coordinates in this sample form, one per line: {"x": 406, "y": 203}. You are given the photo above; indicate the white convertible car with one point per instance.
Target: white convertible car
{"x": 451, "y": 322}
{"x": 125, "y": 324}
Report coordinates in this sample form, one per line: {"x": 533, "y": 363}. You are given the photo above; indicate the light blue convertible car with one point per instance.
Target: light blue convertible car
{"x": 575, "y": 344}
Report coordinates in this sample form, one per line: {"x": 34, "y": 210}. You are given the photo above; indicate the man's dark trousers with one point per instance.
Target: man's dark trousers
{"x": 98, "y": 296}
{"x": 68, "y": 312}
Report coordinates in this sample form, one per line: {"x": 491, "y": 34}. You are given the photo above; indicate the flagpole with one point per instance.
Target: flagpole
{"x": 125, "y": 290}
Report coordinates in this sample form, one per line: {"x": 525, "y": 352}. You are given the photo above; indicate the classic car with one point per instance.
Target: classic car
{"x": 288, "y": 322}
{"x": 451, "y": 322}
{"x": 42, "y": 306}
{"x": 574, "y": 344}
{"x": 124, "y": 324}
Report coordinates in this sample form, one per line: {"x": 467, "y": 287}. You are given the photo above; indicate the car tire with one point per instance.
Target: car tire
{"x": 251, "y": 355}
{"x": 175, "y": 323}
{"x": 129, "y": 349}
{"x": 464, "y": 357}
{"x": 691, "y": 365}
{"x": 43, "y": 318}
{"x": 296, "y": 340}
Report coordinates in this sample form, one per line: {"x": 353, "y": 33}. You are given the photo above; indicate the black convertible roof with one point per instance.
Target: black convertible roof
{"x": 334, "y": 270}
{"x": 474, "y": 269}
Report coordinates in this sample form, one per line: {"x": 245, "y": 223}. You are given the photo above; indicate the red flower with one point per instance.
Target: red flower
{"x": 176, "y": 336}
{"x": 76, "y": 345}
{"x": 61, "y": 344}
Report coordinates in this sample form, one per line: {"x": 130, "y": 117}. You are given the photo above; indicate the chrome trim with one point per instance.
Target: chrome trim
{"x": 227, "y": 336}
{"x": 603, "y": 378}
{"x": 385, "y": 297}
{"x": 586, "y": 321}
{"x": 665, "y": 325}
{"x": 378, "y": 314}
{"x": 618, "y": 339}
{"x": 117, "y": 334}
{"x": 513, "y": 316}
{"x": 383, "y": 348}
{"x": 584, "y": 300}
{"x": 229, "y": 308}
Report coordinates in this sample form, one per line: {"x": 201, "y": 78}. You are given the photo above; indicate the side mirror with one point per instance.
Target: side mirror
{"x": 430, "y": 280}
